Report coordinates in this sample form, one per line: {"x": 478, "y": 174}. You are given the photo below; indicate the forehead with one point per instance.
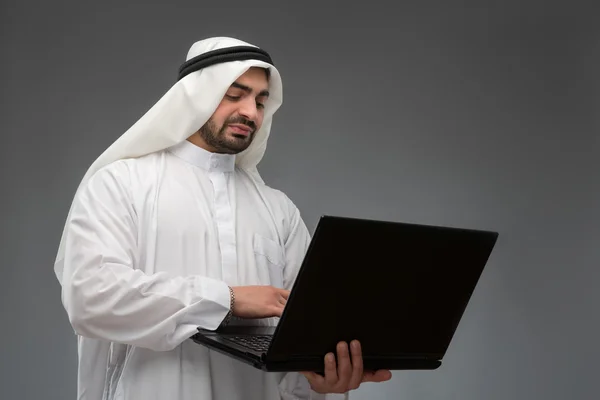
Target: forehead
{"x": 255, "y": 78}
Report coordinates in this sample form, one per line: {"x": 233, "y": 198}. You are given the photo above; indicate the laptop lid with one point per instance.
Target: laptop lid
{"x": 399, "y": 288}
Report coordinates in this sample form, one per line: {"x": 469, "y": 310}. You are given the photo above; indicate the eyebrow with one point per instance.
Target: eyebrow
{"x": 249, "y": 89}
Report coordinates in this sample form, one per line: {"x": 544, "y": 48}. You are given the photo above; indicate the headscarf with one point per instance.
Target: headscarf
{"x": 211, "y": 66}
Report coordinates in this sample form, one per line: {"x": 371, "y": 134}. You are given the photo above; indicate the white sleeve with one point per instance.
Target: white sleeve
{"x": 106, "y": 294}
{"x": 294, "y": 385}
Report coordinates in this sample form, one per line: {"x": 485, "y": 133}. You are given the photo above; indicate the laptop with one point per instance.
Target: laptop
{"x": 399, "y": 288}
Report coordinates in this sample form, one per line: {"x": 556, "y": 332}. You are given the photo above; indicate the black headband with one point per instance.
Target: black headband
{"x": 237, "y": 53}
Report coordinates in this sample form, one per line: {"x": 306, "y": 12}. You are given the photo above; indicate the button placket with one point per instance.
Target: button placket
{"x": 224, "y": 220}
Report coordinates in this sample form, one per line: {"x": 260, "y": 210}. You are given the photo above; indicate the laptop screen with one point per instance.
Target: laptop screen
{"x": 401, "y": 289}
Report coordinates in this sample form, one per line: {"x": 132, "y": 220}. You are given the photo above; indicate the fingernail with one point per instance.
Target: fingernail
{"x": 330, "y": 357}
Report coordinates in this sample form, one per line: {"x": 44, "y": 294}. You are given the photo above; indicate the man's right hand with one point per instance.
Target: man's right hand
{"x": 259, "y": 301}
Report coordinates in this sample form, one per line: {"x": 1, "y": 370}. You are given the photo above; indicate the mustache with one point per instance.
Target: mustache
{"x": 241, "y": 120}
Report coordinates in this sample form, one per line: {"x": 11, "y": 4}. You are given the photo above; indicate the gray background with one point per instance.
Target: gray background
{"x": 466, "y": 114}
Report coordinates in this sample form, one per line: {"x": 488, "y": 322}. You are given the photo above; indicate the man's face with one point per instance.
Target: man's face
{"x": 240, "y": 114}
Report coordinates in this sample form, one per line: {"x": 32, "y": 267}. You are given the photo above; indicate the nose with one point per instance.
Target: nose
{"x": 248, "y": 109}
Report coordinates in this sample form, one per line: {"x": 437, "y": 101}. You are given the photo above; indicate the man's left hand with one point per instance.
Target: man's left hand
{"x": 348, "y": 374}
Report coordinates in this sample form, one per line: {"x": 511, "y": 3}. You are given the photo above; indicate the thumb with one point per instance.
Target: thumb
{"x": 311, "y": 376}
{"x": 377, "y": 376}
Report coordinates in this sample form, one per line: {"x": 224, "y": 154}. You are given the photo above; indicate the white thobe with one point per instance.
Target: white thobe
{"x": 152, "y": 246}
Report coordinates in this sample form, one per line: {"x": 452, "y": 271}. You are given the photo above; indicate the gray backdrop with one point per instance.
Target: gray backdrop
{"x": 474, "y": 115}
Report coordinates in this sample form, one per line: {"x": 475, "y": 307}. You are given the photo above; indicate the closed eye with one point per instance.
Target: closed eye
{"x": 236, "y": 98}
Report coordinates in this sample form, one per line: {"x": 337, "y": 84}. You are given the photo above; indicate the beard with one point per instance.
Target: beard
{"x": 217, "y": 139}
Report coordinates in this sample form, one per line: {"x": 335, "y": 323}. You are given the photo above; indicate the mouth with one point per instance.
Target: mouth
{"x": 242, "y": 130}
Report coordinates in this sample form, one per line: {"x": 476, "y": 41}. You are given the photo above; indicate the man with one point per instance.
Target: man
{"x": 172, "y": 228}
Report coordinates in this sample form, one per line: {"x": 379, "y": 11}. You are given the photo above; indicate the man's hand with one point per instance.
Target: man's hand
{"x": 348, "y": 375}
{"x": 259, "y": 301}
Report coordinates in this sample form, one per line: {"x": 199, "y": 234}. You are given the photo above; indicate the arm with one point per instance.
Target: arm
{"x": 106, "y": 294}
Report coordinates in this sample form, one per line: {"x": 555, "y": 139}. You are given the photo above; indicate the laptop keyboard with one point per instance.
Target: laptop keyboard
{"x": 254, "y": 342}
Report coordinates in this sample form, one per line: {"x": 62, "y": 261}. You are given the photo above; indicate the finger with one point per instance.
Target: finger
{"x": 381, "y": 375}
{"x": 278, "y": 310}
{"x": 284, "y": 293}
{"x": 357, "y": 365}
{"x": 314, "y": 379}
{"x": 344, "y": 365}
{"x": 331, "y": 375}
{"x": 282, "y": 300}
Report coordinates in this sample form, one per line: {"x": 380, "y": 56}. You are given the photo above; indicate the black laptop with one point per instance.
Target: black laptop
{"x": 399, "y": 288}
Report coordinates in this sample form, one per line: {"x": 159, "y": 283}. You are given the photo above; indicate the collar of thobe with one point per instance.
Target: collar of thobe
{"x": 201, "y": 158}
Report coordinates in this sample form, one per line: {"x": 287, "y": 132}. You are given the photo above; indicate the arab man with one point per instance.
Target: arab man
{"x": 172, "y": 229}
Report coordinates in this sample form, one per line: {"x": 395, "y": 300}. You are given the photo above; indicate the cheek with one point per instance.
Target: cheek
{"x": 223, "y": 112}
{"x": 219, "y": 119}
{"x": 259, "y": 119}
